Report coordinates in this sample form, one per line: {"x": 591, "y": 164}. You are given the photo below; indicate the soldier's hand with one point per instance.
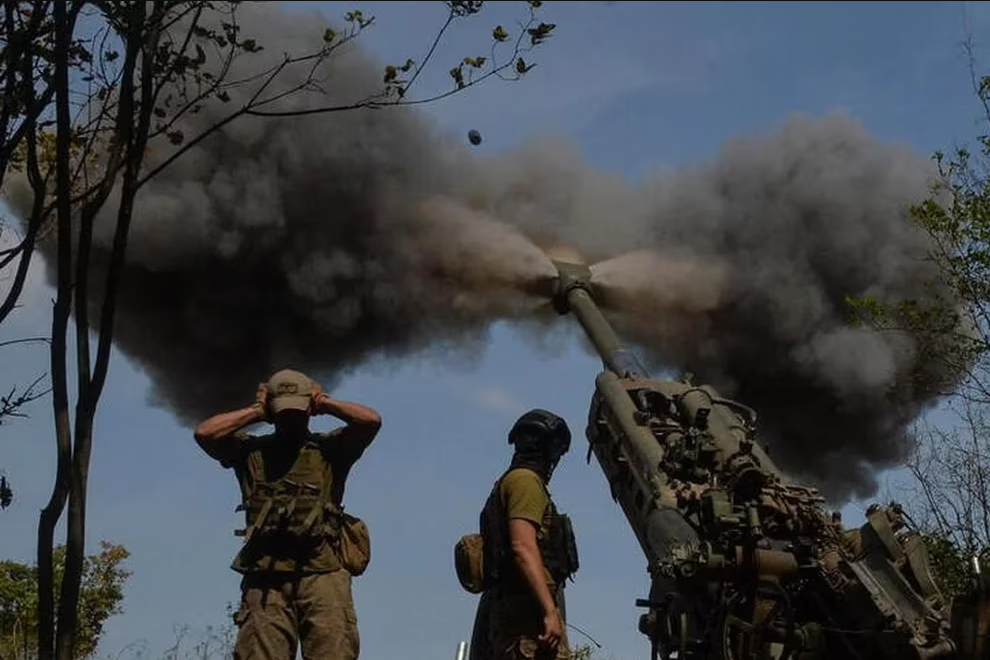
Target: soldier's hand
{"x": 553, "y": 630}
{"x": 261, "y": 401}
{"x": 314, "y": 398}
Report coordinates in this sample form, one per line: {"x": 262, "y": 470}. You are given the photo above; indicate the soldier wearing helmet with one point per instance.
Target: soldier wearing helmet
{"x": 529, "y": 550}
{"x": 300, "y": 550}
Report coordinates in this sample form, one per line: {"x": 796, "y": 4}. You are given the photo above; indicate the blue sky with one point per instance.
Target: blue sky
{"x": 637, "y": 86}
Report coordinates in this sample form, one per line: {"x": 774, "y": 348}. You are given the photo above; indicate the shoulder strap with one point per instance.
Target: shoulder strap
{"x": 496, "y": 494}
{"x": 493, "y": 501}
{"x": 326, "y": 489}
{"x": 254, "y": 465}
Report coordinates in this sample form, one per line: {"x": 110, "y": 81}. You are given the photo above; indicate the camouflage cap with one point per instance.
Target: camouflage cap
{"x": 289, "y": 390}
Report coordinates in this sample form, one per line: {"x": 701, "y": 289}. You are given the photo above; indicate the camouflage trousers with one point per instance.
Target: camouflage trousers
{"x": 508, "y": 625}
{"x": 280, "y": 614}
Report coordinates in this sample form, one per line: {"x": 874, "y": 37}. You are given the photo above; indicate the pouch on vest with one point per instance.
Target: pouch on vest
{"x": 355, "y": 544}
{"x": 469, "y": 562}
{"x": 561, "y": 547}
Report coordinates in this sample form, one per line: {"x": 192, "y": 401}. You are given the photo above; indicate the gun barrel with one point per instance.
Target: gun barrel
{"x": 615, "y": 356}
{"x": 573, "y": 295}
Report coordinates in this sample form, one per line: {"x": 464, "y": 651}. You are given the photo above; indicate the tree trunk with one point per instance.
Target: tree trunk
{"x": 60, "y": 319}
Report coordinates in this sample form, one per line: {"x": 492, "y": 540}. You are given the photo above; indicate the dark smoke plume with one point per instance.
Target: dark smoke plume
{"x": 328, "y": 242}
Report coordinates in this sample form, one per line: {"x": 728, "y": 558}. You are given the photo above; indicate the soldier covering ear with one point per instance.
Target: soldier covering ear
{"x": 300, "y": 549}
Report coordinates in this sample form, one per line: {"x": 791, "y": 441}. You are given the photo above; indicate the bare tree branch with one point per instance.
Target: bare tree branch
{"x": 108, "y": 107}
{"x": 12, "y": 403}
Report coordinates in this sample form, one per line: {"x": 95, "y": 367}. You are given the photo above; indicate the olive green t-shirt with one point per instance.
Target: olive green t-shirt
{"x": 525, "y": 496}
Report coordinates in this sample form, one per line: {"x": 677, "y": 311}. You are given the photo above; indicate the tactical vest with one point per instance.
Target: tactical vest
{"x": 558, "y": 546}
{"x": 292, "y": 522}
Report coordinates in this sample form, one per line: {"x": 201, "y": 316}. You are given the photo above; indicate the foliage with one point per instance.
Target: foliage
{"x": 212, "y": 643}
{"x": 16, "y": 400}
{"x": 949, "y": 470}
{"x": 589, "y": 651}
{"x": 101, "y": 596}
{"x": 946, "y": 494}
{"x": 955, "y": 218}
{"x": 582, "y": 652}
{"x": 12, "y": 405}
{"x": 6, "y": 493}
{"x": 952, "y": 569}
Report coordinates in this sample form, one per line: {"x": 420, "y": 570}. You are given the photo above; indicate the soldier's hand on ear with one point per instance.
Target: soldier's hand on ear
{"x": 261, "y": 401}
{"x": 314, "y": 398}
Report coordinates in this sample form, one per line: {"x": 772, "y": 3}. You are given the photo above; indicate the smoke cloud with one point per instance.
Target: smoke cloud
{"x": 332, "y": 242}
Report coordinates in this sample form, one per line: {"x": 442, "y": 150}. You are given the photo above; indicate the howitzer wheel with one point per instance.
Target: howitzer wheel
{"x": 667, "y": 628}
{"x": 677, "y": 626}
{"x": 753, "y": 622}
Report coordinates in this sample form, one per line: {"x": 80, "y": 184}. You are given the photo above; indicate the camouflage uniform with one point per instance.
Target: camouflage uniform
{"x": 509, "y": 619}
{"x": 295, "y": 591}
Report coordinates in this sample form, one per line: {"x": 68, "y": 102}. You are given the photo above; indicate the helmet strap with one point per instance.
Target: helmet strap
{"x": 535, "y": 459}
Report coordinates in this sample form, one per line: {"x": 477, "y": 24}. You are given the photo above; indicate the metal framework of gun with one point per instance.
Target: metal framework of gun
{"x": 743, "y": 563}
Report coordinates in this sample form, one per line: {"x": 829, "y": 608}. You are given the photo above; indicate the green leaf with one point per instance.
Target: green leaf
{"x": 6, "y": 493}
{"x": 457, "y": 73}
{"x": 538, "y": 34}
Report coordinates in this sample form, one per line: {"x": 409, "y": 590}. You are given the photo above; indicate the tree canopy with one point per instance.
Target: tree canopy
{"x": 101, "y": 597}
{"x": 946, "y": 492}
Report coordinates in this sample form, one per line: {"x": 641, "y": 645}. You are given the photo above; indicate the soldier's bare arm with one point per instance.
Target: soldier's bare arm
{"x": 363, "y": 423}
{"x": 525, "y": 501}
{"x": 522, "y": 536}
{"x": 213, "y": 435}
{"x": 216, "y": 434}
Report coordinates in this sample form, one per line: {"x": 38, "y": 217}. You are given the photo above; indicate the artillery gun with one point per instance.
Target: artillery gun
{"x": 743, "y": 563}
